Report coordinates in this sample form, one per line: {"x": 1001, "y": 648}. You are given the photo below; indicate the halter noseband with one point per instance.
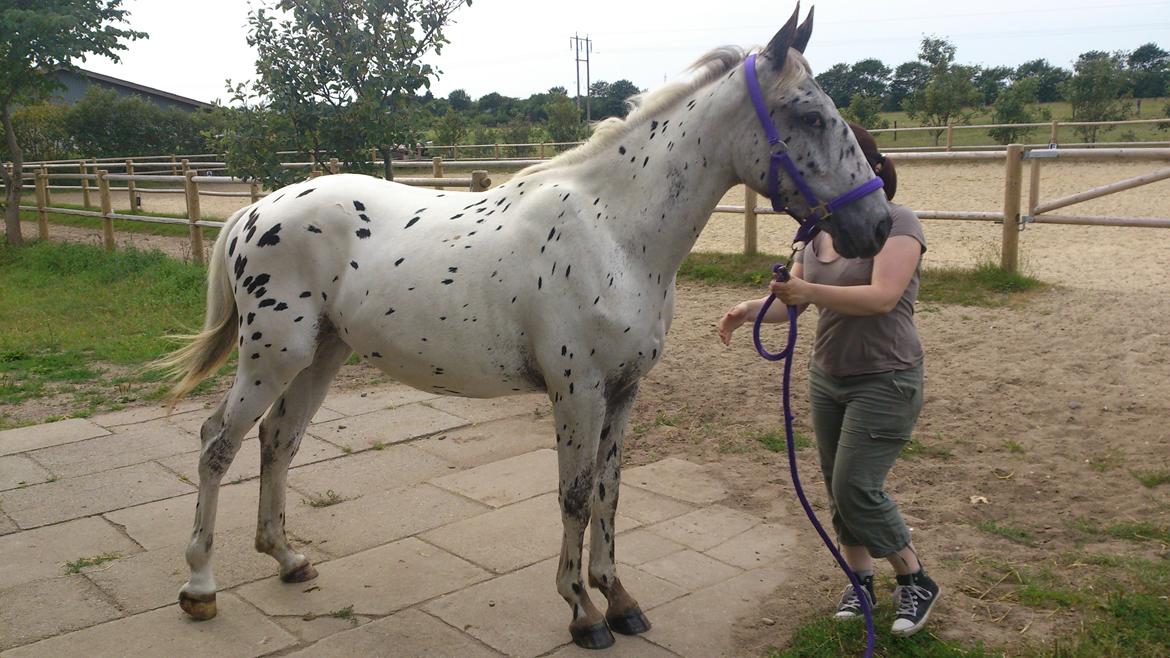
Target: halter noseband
{"x": 817, "y": 211}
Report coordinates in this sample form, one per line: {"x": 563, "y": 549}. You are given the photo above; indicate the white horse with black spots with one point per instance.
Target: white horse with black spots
{"x": 561, "y": 280}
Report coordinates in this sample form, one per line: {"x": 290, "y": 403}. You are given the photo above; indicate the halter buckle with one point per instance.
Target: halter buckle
{"x": 820, "y": 211}
{"x": 779, "y": 147}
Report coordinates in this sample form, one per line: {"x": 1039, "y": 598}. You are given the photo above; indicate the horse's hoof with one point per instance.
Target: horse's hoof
{"x": 592, "y": 637}
{"x": 199, "y": 607}
{"x": 301, "y": 574}
{"x": 632, "y": 622}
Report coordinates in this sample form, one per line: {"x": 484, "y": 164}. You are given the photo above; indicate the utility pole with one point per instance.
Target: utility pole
{"x": 582, "y": 47}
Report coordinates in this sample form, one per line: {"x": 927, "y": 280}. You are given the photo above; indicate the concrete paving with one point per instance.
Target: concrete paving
{"x": 442, "y": 539}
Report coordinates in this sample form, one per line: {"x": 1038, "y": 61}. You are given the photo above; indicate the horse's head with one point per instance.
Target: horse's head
{"x": 819, "y": 142}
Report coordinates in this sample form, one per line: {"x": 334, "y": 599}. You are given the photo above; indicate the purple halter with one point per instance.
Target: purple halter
{"x": 780, "y": 158}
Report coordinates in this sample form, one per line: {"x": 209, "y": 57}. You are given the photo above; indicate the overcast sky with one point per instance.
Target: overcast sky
{"x": 521, "y": 47}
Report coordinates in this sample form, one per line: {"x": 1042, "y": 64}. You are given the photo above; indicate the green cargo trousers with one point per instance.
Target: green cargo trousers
{"x": 862, "y": 422}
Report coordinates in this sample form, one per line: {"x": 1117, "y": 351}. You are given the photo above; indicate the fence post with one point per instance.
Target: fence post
{"x": 542, "y": 150}
{"x": 479, "y": 180}
{"x": 497, "y": 151}
{"x": 750, "y": 223}
{"x": 950, "y": 135}
{"x": 186, "y": 167}
{"x": 42, "y": 218}
{"x": 84, "y": 185}
{"x": 1052, "y": 135}
{"x": 254, "y": 188}
{"x": 174, "y": 167}
{"x": 373, "y": 157}
{"x": 455, "y": 152}
{"x": 1033, "y": 186}
{"x": 334, "y": 166}
{"x": 1013, "y": 169}
{"x": 48, "y": 194}
{"x": 437, "y": 170}
{"x": 131, "y": 189}
{"x": 107, "y": 208}
{"x": 314, "y": 172}
{"x": 193, "y": 215}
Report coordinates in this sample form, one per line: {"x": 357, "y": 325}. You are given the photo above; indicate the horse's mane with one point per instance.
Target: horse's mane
{"x": 705, "y": 70}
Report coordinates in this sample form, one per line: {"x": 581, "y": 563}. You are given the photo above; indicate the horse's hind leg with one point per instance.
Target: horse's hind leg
{"x": 251, "y": 394}
{"x": 578, "y": 422}
{"x": 623, "y": 613}
{"x": 280, "y": 437}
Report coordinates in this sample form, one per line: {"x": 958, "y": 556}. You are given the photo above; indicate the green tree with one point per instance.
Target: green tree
{"x": 948, "y": 90}
{"x": 1017, "y": 104}
{"x": 837, "y": 83}
{"x": 106, "y": 124}
{"x": 1150, "y": 67}
{"x": 38, "y": 37}
{"x": 460, "y": 100}
{"x": 1050, "y": 78}
{"x": 991, "y": 81}
{"x": 344, "y": 73}
{"x": 865, "y": 110}
{"x": 564, "y": 119}
{"x": 1095, "y": 91}
{"x": 41, "y": 132}
{"x": 907, "y": 78}
{"x": 452, "y": 129}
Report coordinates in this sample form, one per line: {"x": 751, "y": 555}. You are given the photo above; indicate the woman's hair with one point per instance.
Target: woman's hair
{"x": 881, "y": 165}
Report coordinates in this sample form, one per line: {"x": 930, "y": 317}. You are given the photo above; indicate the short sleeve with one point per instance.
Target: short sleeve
{"x": 905, "y": 222}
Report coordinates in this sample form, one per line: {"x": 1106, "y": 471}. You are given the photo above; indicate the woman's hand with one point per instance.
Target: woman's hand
{"x": 731, "y": 321}
{"x": 793, "y": 292}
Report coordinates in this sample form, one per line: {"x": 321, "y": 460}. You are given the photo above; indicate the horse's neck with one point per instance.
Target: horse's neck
{"x": 661, "y": 190}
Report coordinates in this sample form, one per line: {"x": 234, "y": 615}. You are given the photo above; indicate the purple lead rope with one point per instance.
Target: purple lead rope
{"x": 786, "y": 354}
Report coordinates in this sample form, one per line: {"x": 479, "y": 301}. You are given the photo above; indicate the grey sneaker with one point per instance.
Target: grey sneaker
{"x": 915, "y": 595}
{"x": 850, "y": 605}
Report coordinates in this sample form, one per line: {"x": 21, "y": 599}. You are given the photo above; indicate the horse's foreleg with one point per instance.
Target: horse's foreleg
{"x": 578, "y": 424}
{"x": 221, "y": 435}
{"x": 280, "y": 437}
{"x": 623, "y": 613}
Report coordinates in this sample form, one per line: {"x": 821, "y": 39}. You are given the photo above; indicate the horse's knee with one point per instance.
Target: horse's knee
{"x": 217, "y": 456}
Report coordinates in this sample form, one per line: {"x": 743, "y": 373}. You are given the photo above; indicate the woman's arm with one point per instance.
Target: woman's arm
{"x": 749, "y": 309}
{"x": 893, "y": 268}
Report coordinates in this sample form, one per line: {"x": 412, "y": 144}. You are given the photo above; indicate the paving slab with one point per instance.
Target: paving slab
{"x": 378, "y": 581}
{"x": 152, "y": 579}
{"x": 482, "y": 410}
{"x": 386, "y": 427}
{"x": 71, "y": 498}
{"x": 690, "y": 570}
{"x": 510, "y": 537}
{"x": 677, "y": 479}
{"x": 40, "y": 609}
{"x": 353, "y": 403}
{"x": 42, "y": 553}
{"x": 7, "y": 525}
{"x": 168, "y": 522}
{"x": 487, "y": 442}
{"x": 700, "y": 624}
{"x": 521, "y": 613}
{"x": 646, "y": 507}
{"x": 407, "y": 633}
{"x": 641, "y": 545}
{"x": 626, "y": 646}
{"x": 370, "y": 471}
{"x": 767, "y": 544}
{"x": 141, "y": 414}
{"x": 49, "y": 434}
{"x": 238, "y": 631}
{"x": 506, "y": 481}
{"x": 132, "y": 444}
{"x": 246, "y": 465}
{"x": 705, "y": 528}
{"x": 377, "y": 518}
{"x": 193, "y": 421}
{"x": 311, "y": 629}
{"x": 20, "y": 471}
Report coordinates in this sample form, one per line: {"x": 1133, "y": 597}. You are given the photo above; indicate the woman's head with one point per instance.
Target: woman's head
{"x": 881, "y": 166}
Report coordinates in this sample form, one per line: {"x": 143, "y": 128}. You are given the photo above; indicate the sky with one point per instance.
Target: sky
{"x": 522, "y": 47}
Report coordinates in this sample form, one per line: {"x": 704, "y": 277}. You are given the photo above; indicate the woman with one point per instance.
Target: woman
{"x": 865, "y": 391}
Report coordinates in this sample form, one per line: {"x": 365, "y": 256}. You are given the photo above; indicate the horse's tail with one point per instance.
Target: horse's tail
{"x": 206, "y": 351}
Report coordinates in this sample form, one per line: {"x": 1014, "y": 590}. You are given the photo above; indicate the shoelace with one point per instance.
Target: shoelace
{"x": 908, "y": 597}
{"x": 849, "y": 598}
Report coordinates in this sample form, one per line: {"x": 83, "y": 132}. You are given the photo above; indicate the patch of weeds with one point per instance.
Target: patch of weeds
{"x": 775, "y": 441}
{"x": 80, "y": 563}
{"x": 1013, "y": 447}
{"x": 916, "y": 448}
{"x": 1018, "y": 535}
{"x": 346, "y": 449}
{"x": 345, "y": 613}
{"x": 735, "y": 269}
{"x": 353, "y": 359}
{"x": 985, "y": 285}
{"x": 1139, "y": 531}
{"x": 826, "y": 638}
{"x": 1104, "y": 461}
{"x": 378, "y": 445}
{"x": 729, "y": 446}
{"x": 1151, "y": 479}
{"x": 327, "y": 499}
{"x": 668, "y": 420}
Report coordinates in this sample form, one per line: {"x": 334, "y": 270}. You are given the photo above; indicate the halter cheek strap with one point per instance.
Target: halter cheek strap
{"x": 780, "y": 159}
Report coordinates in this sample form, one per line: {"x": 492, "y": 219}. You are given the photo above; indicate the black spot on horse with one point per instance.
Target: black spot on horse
{"x": 251, "y": 316}
{"x": 644, "y": 162}
{"x": 270, "y": 237}
{"x": 306, "y": 294}
{"x": 448, "y": 282}
{"x": 390, "y": 312}
{"x": 258, "y": 282}
{"x": 363, "y": 217}
{"x": 241, "y": 263}
{"x": 411, "y": 222}
{"x": 621, "y": 150}
{"x": 398, "y": 262}
{"x": 362, "y": 233}
{"x": 539, "y": 282}
{"x": 280, "y": 307}
{"x": 298, "y": 319}
{"x": 232, "y": 247}
{"x": 358, "y": 205}
{"x": 267, "y": 302}
{"x": 257, "y": 335}
{"x": 353, "y": 264}
{"x": 312, "y": 229}
{"x": 306, "y": 192}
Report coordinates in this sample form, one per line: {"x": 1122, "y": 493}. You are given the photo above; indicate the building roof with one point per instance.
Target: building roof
{"x": 138, "y": 88}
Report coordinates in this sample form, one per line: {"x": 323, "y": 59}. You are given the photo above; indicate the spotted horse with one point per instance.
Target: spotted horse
{"x": 561, "y": 280}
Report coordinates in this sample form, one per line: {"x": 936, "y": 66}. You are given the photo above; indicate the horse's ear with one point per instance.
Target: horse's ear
{"x": 778, "y": 48}
{"x": 803, "y": 32}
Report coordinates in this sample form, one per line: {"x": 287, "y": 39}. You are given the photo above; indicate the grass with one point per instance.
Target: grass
{"x": 345, "y": 613}
{"x": 327, "y": 499}
{"x": 80, "y": 563}
{"x": 1013, "y": 447}
{"x": 775, "y": 440}
{"x": 826, "y": 638}
{"x": 1151, "y": 479}
{"x": 984, "y": 285}
{"x": 73, "y": 312}
{"x": 1012, "y": 533}
{"x": 1135, "y": 531}
{"x": 121, "y": 225}
{"x": 915, "y": 448}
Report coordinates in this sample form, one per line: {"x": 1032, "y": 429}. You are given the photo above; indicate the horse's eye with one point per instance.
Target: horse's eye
{"x": 813, "y": 119}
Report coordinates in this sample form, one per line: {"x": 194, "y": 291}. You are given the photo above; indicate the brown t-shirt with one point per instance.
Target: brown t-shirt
{"x": 863, "y": 344}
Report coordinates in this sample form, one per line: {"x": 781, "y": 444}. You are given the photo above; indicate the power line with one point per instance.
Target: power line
{"x": 578, "y": 44}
